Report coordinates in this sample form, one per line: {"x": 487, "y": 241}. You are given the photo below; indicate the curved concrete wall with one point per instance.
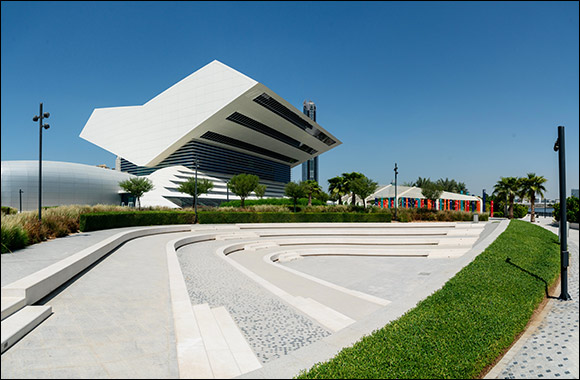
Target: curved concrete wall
{"x": 63, "y": 183}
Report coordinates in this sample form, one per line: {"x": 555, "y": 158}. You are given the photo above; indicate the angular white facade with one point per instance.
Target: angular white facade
{"x": 206, "y": 106}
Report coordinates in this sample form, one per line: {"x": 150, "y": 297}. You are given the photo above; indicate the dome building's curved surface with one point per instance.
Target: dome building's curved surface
{"x": 63, "y": 183}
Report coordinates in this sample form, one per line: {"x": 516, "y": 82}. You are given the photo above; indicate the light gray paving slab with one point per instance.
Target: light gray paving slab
{"x": 114, "y": 321}
{"x": 28, "y": 260}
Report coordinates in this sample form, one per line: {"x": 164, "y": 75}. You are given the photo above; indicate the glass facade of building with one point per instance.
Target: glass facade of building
{"x": 216, "y": 160}
{"x": 310, "y": 167}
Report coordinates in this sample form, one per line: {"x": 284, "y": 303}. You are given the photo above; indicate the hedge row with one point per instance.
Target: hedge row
{"x": 461, "y": 329}
{"x": 106, "y": 220}
{"x": 271, "y": 201}
{"x": 209, "y": 217}
{"x": 423, "y": 214}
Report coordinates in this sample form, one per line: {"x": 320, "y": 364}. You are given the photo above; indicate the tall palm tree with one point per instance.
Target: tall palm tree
{"x": 420, "y": 182}
{"x": 337, "y": 188}
{"x": 530, "y": 186}
{"x": 311, "y": 188}
{"x": 348, "y": 181}
{"x": 507, "y": 188}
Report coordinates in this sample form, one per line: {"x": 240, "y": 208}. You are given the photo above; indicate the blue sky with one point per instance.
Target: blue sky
{"x": 471, "y": 91}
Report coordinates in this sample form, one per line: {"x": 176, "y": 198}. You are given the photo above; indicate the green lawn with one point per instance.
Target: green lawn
{"x": 460, "y": 329}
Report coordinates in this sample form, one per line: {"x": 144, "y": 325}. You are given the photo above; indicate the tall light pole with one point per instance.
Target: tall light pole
{"x": 196, "y": 164}
{"x": 396, "y": 200}
{"x": 227, "y": 191}
{"x": 43, "y": 115}
{"x": 560, "y": 147}
{"x": 484, "y": 199}
{"x": 20, "y": 194}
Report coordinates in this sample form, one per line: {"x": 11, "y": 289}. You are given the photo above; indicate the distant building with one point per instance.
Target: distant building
{"x": 310, "y": 167}
{"x": 63, "y": 183}
{"x": 229, "y": 122}
{"x": 412, "y": 197}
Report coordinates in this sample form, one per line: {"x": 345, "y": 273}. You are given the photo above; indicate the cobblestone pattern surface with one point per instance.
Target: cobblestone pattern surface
{"x": 271, "y": 327}
{"x": 553, "y": 348}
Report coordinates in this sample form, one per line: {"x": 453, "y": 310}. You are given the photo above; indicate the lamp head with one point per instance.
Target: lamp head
{"x": 46, "y": 115}
{"x": 46, "y": 126}
{"x": 35, "y": 118}
{"x": 557, "y": 145}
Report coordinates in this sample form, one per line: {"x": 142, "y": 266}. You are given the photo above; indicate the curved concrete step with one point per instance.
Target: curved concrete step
{"x": 21, "y": 323}
{"x": 11, "y": 305}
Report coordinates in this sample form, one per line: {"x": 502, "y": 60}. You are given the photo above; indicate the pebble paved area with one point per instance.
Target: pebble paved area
{"x": 271, "y": 327}
{"x": 550, "y": 350}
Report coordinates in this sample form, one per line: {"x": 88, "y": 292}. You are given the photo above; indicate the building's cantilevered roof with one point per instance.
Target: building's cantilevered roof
{"x": 216, "y": 105}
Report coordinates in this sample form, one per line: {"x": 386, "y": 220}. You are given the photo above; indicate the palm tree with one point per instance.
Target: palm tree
{"x": 462, "y": 188}
{"x": 311, "y": 188}
{"x": 337, "y": 188}
{"x": 348, "y": 180}
{"x": 447, "y": 185}
{"x": 420, "y": 182}
{"x": 507, "y": 188}
{"x": 530, "y": 186}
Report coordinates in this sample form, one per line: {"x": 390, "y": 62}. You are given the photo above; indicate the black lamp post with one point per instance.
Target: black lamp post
{"x": 43, "y": 115}
{"x": 196, "y": 164}
{"x": 228, "y": 191}
{"x": 20, "y": 194}
{"x": 560, "y": 147}
{"x": 396, "y": 200}
{"x": 484, "y": 199}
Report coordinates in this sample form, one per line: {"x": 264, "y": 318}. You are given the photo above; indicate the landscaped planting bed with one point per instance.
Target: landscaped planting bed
{"x": 462, "y": 328}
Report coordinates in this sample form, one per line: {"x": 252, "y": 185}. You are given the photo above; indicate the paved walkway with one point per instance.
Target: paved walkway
{"x": 114, "y": 321}
{"x": 549, "y": 348}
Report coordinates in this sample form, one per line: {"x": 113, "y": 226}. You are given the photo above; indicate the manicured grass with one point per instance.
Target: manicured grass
{"x": 462, "y": 328}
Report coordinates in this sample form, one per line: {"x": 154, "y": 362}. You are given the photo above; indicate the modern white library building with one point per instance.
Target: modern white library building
{"x": 218, "y": 121}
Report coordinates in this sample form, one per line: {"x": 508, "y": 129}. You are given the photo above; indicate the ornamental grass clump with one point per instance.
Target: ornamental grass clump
{"x": 22, "y": 229}
{"x": 13, "y": 235}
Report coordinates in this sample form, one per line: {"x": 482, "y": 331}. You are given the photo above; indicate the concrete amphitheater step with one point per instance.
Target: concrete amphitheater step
{"x": 21, "y": 323}
{"x": 326, "y": 316}
{"x": 227, "y": 350}
{"x": 11, "y": 305}
{"x": 238, "y": 345}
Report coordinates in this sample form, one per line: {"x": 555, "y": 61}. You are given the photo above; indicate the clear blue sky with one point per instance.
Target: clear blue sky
{"x": 470, "y": 91}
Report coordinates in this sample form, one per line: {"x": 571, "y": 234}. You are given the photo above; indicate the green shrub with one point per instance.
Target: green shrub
{"x": 424, "y": 214}
{"x": 271, "y": 201}
{"x": 572, "y": 210}
{"x": 209, "y": 217}
{"x": 9, "y": 210}
{"x": 118, "y": 219}
{"x": 520, "y": 211}
{"x": 462, "y": 328}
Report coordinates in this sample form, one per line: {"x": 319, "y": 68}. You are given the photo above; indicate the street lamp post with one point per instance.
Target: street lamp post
{"x": 196, "y": 164}
{"x": 396, "y": 200}
{"x": 228, "y": 191}
{"x": 560, "y": 147}
{"x": 20, "y": 196}
{"x": 484, "y": 199}
{"x": 43, "y": 115}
